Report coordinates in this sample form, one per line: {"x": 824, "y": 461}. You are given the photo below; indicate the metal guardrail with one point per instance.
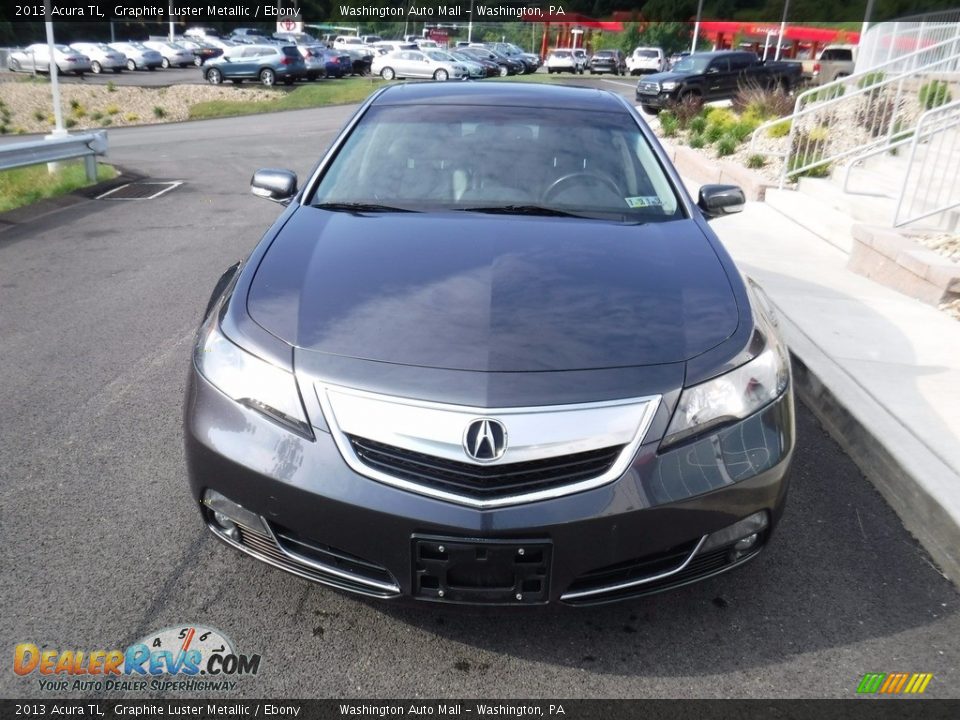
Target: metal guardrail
{"x": 875, "y": 109}
{"x": 930, "y": 184}
{"x": 88, "y": 146}
{"x": 887, "y": 41}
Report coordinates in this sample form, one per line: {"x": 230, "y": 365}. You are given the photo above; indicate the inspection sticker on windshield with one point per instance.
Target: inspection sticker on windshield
{"x": 643, "y": 201}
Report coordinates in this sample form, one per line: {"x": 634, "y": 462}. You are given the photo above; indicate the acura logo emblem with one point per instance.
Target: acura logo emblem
{"x": 485, "y": 440}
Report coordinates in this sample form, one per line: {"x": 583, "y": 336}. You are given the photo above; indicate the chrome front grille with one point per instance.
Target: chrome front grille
{"x": 484, "y": 481}
{"x": 648, "y": 88}
{"x": 543, "y": 452}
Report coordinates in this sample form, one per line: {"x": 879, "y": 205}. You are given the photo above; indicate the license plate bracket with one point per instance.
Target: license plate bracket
{"x": 481, "y": 571}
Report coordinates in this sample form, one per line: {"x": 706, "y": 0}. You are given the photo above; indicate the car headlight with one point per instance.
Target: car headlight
{"x": 669, "y": 85}
{"x": 255, "y": 383}
{"x": 739, "y": 393}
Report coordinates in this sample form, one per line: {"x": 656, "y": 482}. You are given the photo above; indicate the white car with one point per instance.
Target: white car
{"x": 418, "y": 64}
{"x": 645, "y": 60}
{"x": 36, "y": 58}
{"x": 348, "y": 42}
{"x": 563, "y": 61}
{"x": 102, "y": 56}
{"x": 474, "y": 69}
{"x": 139, "y": 56}
{"x": 171, "y": 53}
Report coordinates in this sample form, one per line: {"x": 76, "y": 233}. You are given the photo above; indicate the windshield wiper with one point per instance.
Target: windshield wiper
{"x": 523, "y": 210}
{"x": 358, "y": 207}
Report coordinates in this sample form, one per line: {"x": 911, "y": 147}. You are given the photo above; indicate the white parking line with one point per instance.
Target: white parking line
{"x": 619, "y": 82}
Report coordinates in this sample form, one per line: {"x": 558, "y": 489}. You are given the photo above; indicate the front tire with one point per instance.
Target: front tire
{"x": 441, "y": 76}
{"x": 214, "y": 76}
{"x": 504, "y": 71}
{"x": 96, "y": 68}
{"x": 131, "y": 65}
{"x": 387, "y": 73}
{"x": 198, "y": 61}
{"x": 268, "y": 77}
{"x": 650, "y": 109}
{"x": 165, "y": 63}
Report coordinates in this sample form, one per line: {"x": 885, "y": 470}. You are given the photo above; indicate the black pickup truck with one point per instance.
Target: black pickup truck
{"x": 714, "y": 76}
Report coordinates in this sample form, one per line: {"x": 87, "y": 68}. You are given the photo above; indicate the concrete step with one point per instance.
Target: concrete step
{"x": 814, "y": 214}
{"x": 861, "y": 208}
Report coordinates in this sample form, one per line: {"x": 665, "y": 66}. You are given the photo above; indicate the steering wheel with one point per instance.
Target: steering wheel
{"x": 580, "y": 176}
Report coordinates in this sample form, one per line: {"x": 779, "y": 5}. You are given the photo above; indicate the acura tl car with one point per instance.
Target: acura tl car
{"x": 491, "y": 353}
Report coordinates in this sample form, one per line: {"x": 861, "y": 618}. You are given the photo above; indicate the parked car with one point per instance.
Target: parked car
{"x": 675, "y": 58}
{"x": 645, "y": 60}
{"x": 295, "y": 38}
{"x": 370, "y": 39}
{"x": 507, "y": 65}
{"x": 713, "y": 76}
{"x": 172, "y": 53}
{"x": 607, "y": 61}
{"x": 361, "y": 59}
{"x": 204, "y": 33}
{"x": 202, "y": 50}
{"x": 562, "y": 60}
{"x": 478, "y": 68}
{"x": 315, "y": 59}
{"x": 347, "y": 42}
{"x": 474, "y": 69}
{"x": 418, "y": 64}
{"x": 530, "y": 61}
{"x": 267, "y": 63}
{"x": 586, "y": 400}
{"x": 102, "y": 56}
{"x": 139, "y": 56}
{"x": 835, "y": 61}
{"x": 582, "y": 58}
{"x": 255, "y": 34}
{"x": 36, "y": 58}
{"x": 388, "y": 46}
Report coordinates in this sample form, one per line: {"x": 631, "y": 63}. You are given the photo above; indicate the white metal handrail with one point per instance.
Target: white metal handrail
{"x": 880, "y": 115}
{"x": 930, "y": 184}
{"x": 35, "y": 152}
{"x": 888, "y": 40}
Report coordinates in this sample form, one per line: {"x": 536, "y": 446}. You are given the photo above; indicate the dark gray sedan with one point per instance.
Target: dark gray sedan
{"x": 491, "y": 353}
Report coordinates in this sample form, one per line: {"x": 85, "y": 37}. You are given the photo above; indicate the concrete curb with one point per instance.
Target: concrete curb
{"x": 921, "y": 488}
{"x": 696, "y": 166}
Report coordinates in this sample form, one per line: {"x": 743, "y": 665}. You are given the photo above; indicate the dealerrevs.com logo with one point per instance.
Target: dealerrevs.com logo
{"x": 186, "y": 658}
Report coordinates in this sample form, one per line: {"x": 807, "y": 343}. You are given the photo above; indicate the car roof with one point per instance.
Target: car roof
{"x": 500, "y": 93}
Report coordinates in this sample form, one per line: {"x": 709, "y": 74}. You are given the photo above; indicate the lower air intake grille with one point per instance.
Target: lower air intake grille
{"x": 483, "y": 481}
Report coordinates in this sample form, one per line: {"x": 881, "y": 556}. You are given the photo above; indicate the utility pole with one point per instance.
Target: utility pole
{"x": 59, "y": 130}
{"x": 783, "y": 28}
{"x": 696, "y": 27}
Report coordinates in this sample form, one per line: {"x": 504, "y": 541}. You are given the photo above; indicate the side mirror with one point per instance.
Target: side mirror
{"x": 277, "y": 185}
{"x": 712, "y": 71}
{"x": 719, "y": 200}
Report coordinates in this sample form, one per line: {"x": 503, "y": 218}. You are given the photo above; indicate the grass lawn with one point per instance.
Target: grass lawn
{"x": 27, "y": 185}
{"x": 324, "y": 92}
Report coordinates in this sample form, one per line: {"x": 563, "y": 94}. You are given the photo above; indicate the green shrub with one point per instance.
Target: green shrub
{"x": 756, "y": 161}
{"x": 714, "y": 132}
{"x": 742, "y": 129}
{"x": 112, "y": 110}
{"x": 74, "y": 104}
{"x": 871, "y": 78}
{"x": 106, "y": 121}
{"x": 698, "y": 124}
{"x": 827, "y": 94}
{"x": 762, "y": 103}
{"x": 96, "y": 115}
{"x": 669, "y": 123}
{"x": 159, "y": 112}
{"x": 4, "y": 129}
{"x": 934, "y": 94}
{"x": 111, "y": 86}
{"x": 70, "y": 122}
{"x": 696, "y": 141}
{"x": 817, "y": 170}
{"x": 131, "y": 117}
{"x": 39, "y": 115}
{"x": 686, "y": 109}
{"x": 726, "y": 145}
{"x": 781, "y": 129}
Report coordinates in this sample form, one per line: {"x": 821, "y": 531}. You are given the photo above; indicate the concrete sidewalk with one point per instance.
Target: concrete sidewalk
{"x": 881, "y": 370}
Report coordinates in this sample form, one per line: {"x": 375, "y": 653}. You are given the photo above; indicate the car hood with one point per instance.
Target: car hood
{"x": 663, "y": 77}
{"x": 493, "y": 293}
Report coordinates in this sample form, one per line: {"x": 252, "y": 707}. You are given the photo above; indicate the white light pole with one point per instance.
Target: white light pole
{"x": 470, "y": 24}
{"x": 58, "y": 130}
{"x": 170, "y": 16}
{"x": 783, "y": 28}
{"x": 696, "y": 27}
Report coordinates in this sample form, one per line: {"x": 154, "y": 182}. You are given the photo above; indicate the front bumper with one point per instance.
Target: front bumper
{"x": 660, "y": 100}
{"x": 316, "y": 518}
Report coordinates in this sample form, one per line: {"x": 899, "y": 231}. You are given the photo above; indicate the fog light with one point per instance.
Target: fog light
{"x": 227, "y": 515}
{"x": 739, "y": 532}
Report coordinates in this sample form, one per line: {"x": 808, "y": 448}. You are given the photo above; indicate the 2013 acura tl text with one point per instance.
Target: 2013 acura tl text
{"x": 491, "y": 353}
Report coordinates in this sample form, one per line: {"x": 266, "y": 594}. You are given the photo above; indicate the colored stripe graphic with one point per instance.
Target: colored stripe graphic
{"x": 894, "y": 683}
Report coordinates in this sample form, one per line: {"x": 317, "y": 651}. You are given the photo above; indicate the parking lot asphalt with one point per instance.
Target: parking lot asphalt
{"x": 100, "y": 542}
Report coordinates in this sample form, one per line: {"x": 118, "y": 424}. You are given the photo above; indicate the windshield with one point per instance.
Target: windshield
{"x": 438, "y": 55}
{"x": 691, "y": 64}
{"x": 450, "y": 157}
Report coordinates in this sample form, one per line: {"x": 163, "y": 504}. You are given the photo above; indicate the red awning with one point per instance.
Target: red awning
{"x": 575, "y": 19}
{"x": 793, "y": 32}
